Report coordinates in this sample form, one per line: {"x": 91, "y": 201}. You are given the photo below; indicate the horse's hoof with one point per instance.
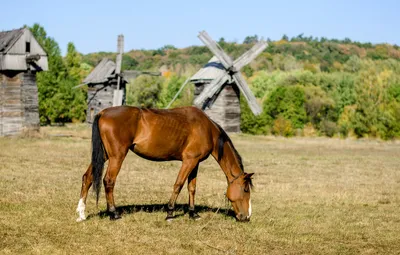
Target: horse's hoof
{"x": 169, "y": 218}
{"x": 80, "y": 219}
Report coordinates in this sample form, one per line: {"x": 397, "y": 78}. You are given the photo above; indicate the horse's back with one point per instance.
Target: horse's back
{"x": 170, "y": 134}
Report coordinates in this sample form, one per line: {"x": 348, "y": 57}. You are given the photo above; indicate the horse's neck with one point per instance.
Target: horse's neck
{"x": 230, "y": 162}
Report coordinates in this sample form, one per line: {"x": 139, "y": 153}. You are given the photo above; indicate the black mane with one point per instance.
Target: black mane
{"x": 223, "y": 137}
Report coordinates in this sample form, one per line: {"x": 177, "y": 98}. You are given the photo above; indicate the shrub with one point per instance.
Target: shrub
{"x": 282, "y": 127}
{"x": 288, "y": 102}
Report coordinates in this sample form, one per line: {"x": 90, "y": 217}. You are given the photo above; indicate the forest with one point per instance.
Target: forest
{"x": 307, "y": 86}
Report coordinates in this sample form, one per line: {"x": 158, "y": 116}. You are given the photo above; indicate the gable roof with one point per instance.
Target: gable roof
{"x": 8, "y": 38}
{"x": 102, "y": 72}
{"x": 209, "y": 72}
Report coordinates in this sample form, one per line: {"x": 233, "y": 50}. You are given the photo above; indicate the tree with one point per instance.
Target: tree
{"x": 73, "y": 63}
{"x": 144, "y": 91}
{"x": 250, "y": 39}
{"x": 288, "y": 102}
{"x": 58, "y": 102}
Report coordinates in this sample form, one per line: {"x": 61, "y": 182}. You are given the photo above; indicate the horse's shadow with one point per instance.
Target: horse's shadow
{"x": 180, "y": 210}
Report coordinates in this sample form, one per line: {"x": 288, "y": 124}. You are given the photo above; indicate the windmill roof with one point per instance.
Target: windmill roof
{"x": 209, "y": 72}
{"x": 8, "y": 38}
{"x": 102, "y": 72}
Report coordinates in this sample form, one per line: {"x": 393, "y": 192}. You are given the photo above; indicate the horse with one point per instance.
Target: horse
{"x": 185, "y": 134}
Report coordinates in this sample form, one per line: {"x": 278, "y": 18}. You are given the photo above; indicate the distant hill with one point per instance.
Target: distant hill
{"x": 308, "y": 53}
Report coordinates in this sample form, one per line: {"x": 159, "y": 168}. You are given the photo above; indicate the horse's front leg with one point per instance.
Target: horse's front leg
{"x": 192, "y": 191}
{"x": 187, "y": 166}
{"x": 86, "y": 183}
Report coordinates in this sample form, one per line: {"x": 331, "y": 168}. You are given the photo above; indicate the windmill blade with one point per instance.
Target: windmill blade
{"x": 120, "y": 51}
{"x": 249, "y": 55}
{"x": 226, "y": 61}
{"x": 213, "y": 88}
{"x": 251, "y": 99}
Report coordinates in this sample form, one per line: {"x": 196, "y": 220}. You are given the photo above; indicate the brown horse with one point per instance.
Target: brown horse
{"x": 184, "y": 134}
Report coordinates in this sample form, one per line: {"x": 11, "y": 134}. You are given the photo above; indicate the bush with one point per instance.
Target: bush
{"x": 144, "y": 91}
{"x": 328, "y": 128}
{"x": 251, "y": 124}
{"x": 282, "y": 127}
{"x": 288, "y": 102}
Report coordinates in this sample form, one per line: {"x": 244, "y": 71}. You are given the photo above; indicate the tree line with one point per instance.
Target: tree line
{"x": 306, "y": 85}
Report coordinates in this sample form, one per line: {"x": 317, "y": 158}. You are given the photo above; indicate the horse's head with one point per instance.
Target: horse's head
{"x": 239, "y": 194}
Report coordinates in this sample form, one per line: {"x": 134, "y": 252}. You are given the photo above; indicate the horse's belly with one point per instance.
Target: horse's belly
{"x": 157, "y": 152}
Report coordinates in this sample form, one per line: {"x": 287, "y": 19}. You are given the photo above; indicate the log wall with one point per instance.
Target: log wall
{"x": 18, "y": 102}
{"x": 226, "y": 109}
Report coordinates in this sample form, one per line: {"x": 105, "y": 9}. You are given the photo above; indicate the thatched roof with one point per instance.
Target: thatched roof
{"x": 209, "y": 72}
{"x": 8, "y": 38}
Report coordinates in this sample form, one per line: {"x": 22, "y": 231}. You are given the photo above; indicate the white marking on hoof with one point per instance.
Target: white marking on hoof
{"x": 81, "y": 210}
{"x": 80, "y": 219}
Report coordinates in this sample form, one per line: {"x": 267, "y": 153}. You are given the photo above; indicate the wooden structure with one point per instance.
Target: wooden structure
{"x": 219, "y": 82}
{"x": 21, "y": 57}
{"x": 107, "y": 83}
{"x": 102, "y": 82}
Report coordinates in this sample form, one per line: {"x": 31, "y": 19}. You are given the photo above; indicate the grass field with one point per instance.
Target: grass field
{"x": 311, "y": 196}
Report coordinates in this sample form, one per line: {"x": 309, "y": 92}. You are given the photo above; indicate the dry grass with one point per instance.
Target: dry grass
{"x": 312, "y": 196}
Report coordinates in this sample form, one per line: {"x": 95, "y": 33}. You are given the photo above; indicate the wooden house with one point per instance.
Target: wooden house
{"x": 102, "y": 84}
{"x": 226, "y": 108}
{"x": 21, "y": 57}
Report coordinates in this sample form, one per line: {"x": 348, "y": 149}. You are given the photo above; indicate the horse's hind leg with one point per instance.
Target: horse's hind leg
{"x": 114, "y": 166}
{"x": 187, "y": 166}
{"x": 192, "y": 191}
{"x": 86, "y": 183}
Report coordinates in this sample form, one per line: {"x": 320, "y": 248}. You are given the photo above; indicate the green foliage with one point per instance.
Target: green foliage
{"x": 144, "y": 91}
{"x": 282, "y": 127}
{"x": 251, "y": 124}
{"x": 171, "y": 87}
{"x": 58, "y": 102}
{"x": 250, "y": 39}
{"x": 287, "y": 102}
{"x": 318, "y": 105}
{"x": 73, "y": 63}
{"x": 128, "y": 63}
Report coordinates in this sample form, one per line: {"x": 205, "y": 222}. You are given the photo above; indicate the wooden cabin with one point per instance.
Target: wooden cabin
{"x": 21, "y": 57}
{"x": 102, "y": 85}
{"x": 226, "y": 108}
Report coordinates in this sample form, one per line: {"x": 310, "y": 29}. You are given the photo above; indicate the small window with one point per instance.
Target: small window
{"x": 27, "y": 47}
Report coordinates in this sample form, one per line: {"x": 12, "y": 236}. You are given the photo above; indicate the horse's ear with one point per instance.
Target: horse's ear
{"x": 248, "y": 176}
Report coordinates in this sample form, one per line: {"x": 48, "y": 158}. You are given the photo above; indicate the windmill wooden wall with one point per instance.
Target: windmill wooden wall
{"x": 100, "y": 96}
{"x": 102, "y": 82}
{"x": 226, "y": 108}
{"x": 19, "y": 109}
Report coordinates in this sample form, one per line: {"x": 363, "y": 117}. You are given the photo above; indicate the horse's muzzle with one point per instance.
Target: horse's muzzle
{"x": 242, "y": 218}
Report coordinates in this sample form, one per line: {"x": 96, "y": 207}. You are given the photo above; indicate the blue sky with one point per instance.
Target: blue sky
{"x": 147, "y": 24}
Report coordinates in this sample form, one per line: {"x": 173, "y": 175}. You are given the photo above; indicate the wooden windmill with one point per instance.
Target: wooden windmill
{"x": 218, "y": 84}
{"x": 107, "y": 83}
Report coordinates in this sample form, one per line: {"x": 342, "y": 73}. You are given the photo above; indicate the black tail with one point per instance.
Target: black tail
{"x": 97, "y": 157}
